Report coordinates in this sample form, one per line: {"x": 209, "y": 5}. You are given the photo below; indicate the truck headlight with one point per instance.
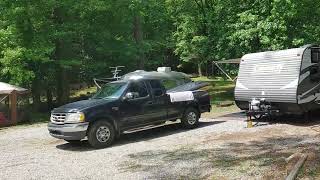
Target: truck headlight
{"x": 75, "y": 117}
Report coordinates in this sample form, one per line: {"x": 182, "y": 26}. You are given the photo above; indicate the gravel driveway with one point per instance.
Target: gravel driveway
{"x": 220, "y": 147}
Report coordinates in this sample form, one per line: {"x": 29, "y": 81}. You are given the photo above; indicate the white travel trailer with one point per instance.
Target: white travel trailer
{"x": 286, "y": 81}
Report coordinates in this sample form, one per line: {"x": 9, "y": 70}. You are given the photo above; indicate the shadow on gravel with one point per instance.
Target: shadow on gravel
{"x": 81, "y": 146}
{"x": 145, "y": 135}
{"x": 296, "y": 120}
{"x": 235, "y": 116}
{"x": 256, "y": 159}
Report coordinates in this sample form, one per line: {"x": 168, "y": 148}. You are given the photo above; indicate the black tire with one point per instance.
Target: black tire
{"x": 98, "y": 134}
{"x": 190, "y": 118}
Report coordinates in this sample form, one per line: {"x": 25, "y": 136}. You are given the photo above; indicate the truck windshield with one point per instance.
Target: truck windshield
{"x": 110, "y": 90}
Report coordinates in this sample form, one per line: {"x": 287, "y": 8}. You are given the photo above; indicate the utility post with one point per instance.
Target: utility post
{"x": 13, "y": 107}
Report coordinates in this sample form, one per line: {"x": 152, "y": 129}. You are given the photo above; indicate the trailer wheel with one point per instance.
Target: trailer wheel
{"x": 190, "y": 118}
{"x": 101, "y": 134}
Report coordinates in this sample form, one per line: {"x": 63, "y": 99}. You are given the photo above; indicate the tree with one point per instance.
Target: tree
{"x": 25, "y": 44}
{"x": 49, "y": 45}
{"x": 191, "y": 35}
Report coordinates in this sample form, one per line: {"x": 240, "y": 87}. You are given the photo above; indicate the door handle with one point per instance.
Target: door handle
{"x": 149, "y": 102}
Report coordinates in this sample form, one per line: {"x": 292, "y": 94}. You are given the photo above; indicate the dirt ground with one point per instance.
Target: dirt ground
{"x": 261, "y": 152}
{"x": 221, "y": 148}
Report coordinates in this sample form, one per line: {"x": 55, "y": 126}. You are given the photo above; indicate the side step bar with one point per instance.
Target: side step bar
{"x": 148, "y": 127}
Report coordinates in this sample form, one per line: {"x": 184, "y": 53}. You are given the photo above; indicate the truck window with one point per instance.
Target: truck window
{"x": 169, "y": 84}
{"x": 157, "y": 88}
{"x": 138, "y": 89}
{"x": 110, "y": 90}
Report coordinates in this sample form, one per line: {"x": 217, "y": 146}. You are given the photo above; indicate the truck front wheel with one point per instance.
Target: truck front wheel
{"x": 101, "y": 134}
{"x": 190, "y": 118}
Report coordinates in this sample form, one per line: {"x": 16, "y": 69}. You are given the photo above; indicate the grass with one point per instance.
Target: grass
{"x": 208, "y": 78}
{"x": 221, "y": 91}
{"x": 83, "y": 92}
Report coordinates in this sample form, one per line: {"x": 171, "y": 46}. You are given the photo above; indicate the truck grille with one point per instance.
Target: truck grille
{"x": 58, "y": 118}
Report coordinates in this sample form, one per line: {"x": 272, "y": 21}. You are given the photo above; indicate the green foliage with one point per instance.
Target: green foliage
{"x": 46, "y": 45}
{"x": 192, "y": 42}
{"x": 231, "y": 28}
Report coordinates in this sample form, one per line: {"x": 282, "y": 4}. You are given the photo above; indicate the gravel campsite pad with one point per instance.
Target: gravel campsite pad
{"x": 221, "y": 148}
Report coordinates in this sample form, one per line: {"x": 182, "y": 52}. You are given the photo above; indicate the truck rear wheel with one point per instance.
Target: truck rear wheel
{"x": 101, "y": 134}
{"x": 190, "y": 118}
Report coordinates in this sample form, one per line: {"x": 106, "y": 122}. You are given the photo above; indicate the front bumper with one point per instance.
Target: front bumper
{"x": 68, "y": 131}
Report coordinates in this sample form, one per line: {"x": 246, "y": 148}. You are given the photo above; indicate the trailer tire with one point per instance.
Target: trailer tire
{"x": 101, "y": 134}
{"x": 190, "y": 118}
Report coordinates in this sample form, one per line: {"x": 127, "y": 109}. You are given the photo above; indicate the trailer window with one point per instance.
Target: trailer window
{"x": 315, "y": 55}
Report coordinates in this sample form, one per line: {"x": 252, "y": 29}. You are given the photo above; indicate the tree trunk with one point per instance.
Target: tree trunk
{"x": 63, "y": 89}
{"x": 61, "y": 49}
{"x": 207, "y": 69}
{"x": 49, "y": 99}
{"x": 199, "y": 69}
{"x": 36, "y": 101}
{"x": 138, "y": 37}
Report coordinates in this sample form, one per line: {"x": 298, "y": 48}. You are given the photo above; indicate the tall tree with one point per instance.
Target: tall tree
{"x": 191, "y": 35}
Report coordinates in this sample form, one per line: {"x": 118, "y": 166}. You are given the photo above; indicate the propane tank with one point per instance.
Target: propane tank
{"x": 255, "y": 104}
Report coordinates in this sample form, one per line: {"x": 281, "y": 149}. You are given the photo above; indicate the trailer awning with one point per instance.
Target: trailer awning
{"x": 229, "y": 61}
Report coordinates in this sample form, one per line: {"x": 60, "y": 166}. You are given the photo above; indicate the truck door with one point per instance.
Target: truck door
{"x": 136, "y": 110}
{"x": 173, "y": 109}
{"x": 159, "y": 101}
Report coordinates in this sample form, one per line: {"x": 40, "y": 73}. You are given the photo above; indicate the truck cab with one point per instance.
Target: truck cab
{"x": 121, "y": 106}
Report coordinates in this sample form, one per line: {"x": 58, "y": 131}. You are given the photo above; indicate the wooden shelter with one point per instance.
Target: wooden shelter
{"x": 11, "y": 92}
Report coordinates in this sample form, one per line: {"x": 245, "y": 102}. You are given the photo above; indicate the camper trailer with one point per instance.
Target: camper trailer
{"x": 285, "y": 81}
